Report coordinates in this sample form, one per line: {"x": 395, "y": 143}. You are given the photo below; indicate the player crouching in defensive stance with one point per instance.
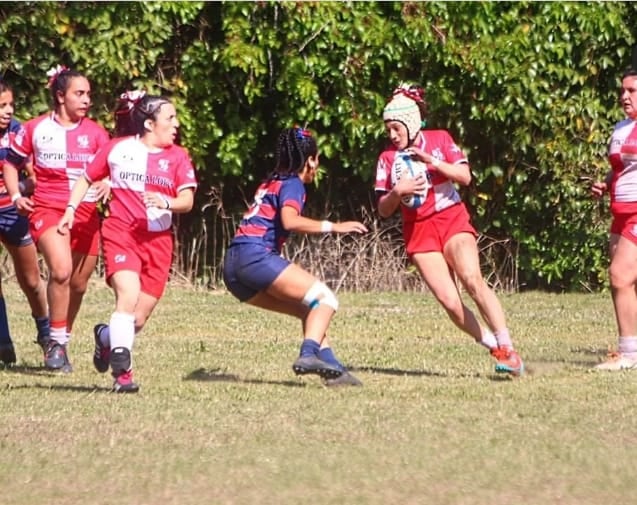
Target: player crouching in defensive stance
{"x": 256, "y": 273}
{"x": 439, "y": 238}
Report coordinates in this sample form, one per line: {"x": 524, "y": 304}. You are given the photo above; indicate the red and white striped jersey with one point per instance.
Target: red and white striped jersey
{"x": 60, "y": 154}
{"x": 134, "y": 170}
{"x": 443, "y": 194}
{"x": 622, "y": 154}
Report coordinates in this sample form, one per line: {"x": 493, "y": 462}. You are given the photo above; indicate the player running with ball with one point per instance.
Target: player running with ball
{"x": 439, "y": 238}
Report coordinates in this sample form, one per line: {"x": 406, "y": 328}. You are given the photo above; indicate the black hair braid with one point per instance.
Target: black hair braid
{"x": 293, "y": 149}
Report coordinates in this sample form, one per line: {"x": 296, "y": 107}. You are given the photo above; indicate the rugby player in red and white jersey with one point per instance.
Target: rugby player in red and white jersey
{"x": 621, "y": 184}
{"x": 152, "y": 178}
{"x": 439, "y": 238}
{"x": 61, "y": 143}
{"x": 15, "y": 238}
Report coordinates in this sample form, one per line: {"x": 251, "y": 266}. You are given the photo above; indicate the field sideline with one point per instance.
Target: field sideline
{"x": 221, "y": 418}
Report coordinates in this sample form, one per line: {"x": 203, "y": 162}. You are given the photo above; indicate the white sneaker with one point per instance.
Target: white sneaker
{"x": 617, "y": 361}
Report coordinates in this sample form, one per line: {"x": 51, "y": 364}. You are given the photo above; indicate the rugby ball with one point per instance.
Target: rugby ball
{"x": 405, "y": 166}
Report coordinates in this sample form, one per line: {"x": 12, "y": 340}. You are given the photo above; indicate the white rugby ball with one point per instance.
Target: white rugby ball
{"x": 405, "y": 166}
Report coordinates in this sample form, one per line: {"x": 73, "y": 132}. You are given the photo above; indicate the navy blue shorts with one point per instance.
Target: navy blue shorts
{"x": 250, "y": 268}
{"x": 14, "y": 228}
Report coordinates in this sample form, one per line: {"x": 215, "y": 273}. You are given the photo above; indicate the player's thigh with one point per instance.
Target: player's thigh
{"x": 623, "y": 266}
{"x": 83, "y": 267}
{"x": 56, "y": 250}
{"x": 25, "y": 258}
{"x": 127, "y": 287}
{"x": 461, "y": 254}
{"x": 292, "y": 284}
{"x": 439, "y": 279}
{"x": 265, "y": 300}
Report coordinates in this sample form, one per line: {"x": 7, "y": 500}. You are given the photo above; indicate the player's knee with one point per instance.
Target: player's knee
{"x": 320, "y": 294}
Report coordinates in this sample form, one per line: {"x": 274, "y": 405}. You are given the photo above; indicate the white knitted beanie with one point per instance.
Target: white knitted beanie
{"x": 404, "y": 109}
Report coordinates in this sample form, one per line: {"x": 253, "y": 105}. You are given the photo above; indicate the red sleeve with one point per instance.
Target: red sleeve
{"x": 98, "y": 168}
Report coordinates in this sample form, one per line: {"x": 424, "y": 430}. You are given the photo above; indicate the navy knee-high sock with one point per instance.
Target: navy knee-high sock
{"x": 326, "y": 354}
{"x": 309, "y": 347}
{"x": 5, "y": 337}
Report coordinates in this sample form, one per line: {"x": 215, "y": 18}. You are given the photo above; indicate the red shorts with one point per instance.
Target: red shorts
{"x": 149, "y": 254}
{"x": 625, "y": 225}
{"x": 85, "y": 234}
{"x": 432, "y": 233}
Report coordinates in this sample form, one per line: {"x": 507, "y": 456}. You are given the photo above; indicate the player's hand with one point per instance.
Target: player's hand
{"x": 27, "y": 186}
{"x": 66, "y": 222}
{"x": 598, "y": 189}
{"x": 24, "y": 205}
{"x": 349, "y": 227}
{"x": 408, "y": 186}
{"x": 152, "y": 199}
{"x": 102, "y": 190}
{"x": 420, "y": 155}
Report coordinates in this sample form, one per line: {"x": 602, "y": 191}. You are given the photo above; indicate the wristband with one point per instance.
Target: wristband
{"x": 15, "y": 196}
{"x": 71, "y": 206}
{"x": 326, "y": 226}
{"x": 166, "y": 201}
{"x": 435, "y": 162}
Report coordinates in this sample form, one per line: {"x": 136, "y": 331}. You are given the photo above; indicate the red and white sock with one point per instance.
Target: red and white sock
{"x": 58, "y": 332}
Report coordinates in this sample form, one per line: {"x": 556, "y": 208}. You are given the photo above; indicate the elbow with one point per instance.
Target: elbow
{"x": 464, "y": 179}
{"x": 382, "y": 212}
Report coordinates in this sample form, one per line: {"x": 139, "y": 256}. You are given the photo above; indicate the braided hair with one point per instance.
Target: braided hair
{"x": 294, "y": 147}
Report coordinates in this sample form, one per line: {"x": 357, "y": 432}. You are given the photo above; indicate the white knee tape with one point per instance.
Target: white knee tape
{"x": 318, "y": 294}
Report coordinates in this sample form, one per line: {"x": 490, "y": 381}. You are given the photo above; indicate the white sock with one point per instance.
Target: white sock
{"x": 628, "y": 346}
{"x": 122, "y": 330}
{"x": 60, "y": 335}
{"x": 488, "y": 339}
{"x": 503, "y": 338}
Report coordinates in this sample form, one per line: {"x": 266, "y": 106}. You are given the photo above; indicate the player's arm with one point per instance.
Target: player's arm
{"x": 389, "y": 201}
{"x": 80, "y": 187}
{"x": 27, "y": 185}
{"x": 12, "y": 179}
{"x": 598, "y": 188}
{"x": 295, "y": 222}
{"x": 11, "y": 174}
{"x": 180, "y": 204}
{"x": 455, "y": 172}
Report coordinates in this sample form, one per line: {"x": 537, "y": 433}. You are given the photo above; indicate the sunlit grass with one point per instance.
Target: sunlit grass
{"x": 221, "y": 418}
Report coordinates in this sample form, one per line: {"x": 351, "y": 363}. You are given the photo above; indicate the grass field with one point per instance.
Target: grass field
{"x": 221, "y": 418}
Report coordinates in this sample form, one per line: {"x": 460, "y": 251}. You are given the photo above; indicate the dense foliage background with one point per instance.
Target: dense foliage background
{"x": 528, "y": 89}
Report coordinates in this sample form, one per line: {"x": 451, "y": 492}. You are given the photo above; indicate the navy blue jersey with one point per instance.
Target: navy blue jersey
{"x": 261, "y": 224}
{"x": 6, "y": 137}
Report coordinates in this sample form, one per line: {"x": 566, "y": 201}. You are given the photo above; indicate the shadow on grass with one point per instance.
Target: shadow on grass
{"x": 397, "y": 371}
{"x": 65, "y": 387}
{"x": 580, "y": 361}
{"x": 40, "y": 370}
{"x": 429, "y": 373}
{"x": 216, "y": 375}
